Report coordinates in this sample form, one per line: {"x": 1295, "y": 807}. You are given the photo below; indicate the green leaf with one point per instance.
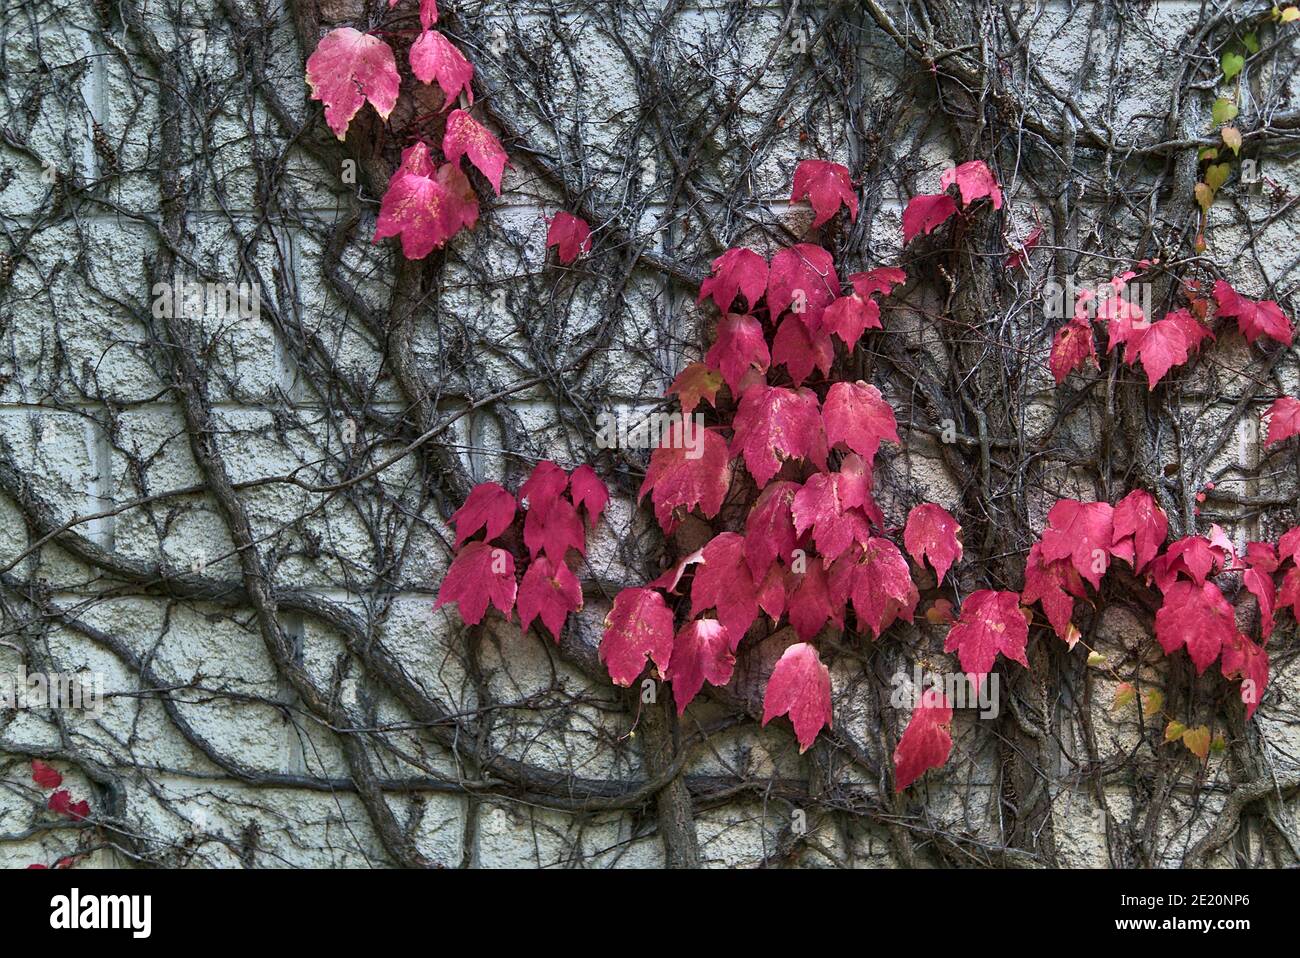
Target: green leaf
{"x": 1217, "y": 175}
{"x": 1251, "y": 42}
{"x": 1152, "y": 702}
{"x": 1223, "y": 111}
{"x": 1174, "y": 731}
{"x": 1208, "y": 153}
{"x": 1096, "y": 658}
{"x": 1219, "y": 744}
{"x": 1232, "y": 64}
{"x": 1124, "y": 694}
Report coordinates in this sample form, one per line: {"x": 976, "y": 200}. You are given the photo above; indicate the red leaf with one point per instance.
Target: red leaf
{"x": 1140, "y": 527}
{"x": 701, "y": 653}
{"x": 1289, "y": 544}
{"x": 801, "y": 350}
{"x": 1243, "y": 659}
{"x": 932, "y": 533}
{"x": 772, "y": 592}
{"x": 1125, "y": 323}
{"x": 1260, "y": 585}
{"x": 466, "y": 136}
{"x": 1055, "y": 585}
{"x": 882, "y": 587}
{"x": 927, "y": 740}
{"x": 697, "y": 381}
{"x": 1161, "y": 347}
{"x": 544, "y": 485}
{"x": 424, "y": 208}
{"x": 1255, "y": 318}
{"x": 990, "y": 622}
{"x": 769, "y": 529}
{"x": 1197, "y": 616}
{"x": 587, "y": 491}
{"x": 1283, "y": 420}
{"x": 554, "y": 530}
{"x": 428, "y": 11}
{"x": 346, "y": 69}
{"x": 773, "y": 422}
{"x": 676, "y": 481}
{"x": 1194, "y": 332}
{"x": 820, "y": 505}
{"x": 740, "y": 347}
{"x": 570, "y": 236}
{"x": 44, "y": 776}
{"x": 975, "y": 180}
{"x": 486, "y": 505}
{"x": 809, "y": 603}
{"x": 850, "y": 316}
{"x": 1020, "y": 254}
{"x": 924, "y": 214}
{"x": 670, "y": 577}
{"x": 723, "y": 582}
{"x": 737, "y": 271}
{"x": 479, "y": 574}
{"x": 1194, "y": 556}
{"x": 802, "y": 279}
{"x": 549, "y": 589}
{"x": 639, "y": 626}
{"x": 857, "y": 416}
{"x": 1072, "y": 346}
{"x": 434, "y": 57}
{"x": 825, "y": 185}
{"x": 1083, "y": 532}
{"x": 800, "y": 686}
{"x": 60, "y": 801}
{"x": 1288, "y": 596}
{"x": 882, "y": 279}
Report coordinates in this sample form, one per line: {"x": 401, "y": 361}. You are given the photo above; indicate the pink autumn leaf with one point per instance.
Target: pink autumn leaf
{"x": 426, "y": 209}
{"x": 479, "y": 575}
{"x": 1283, "y": 420}
{"x": 774, "y": 423}
{"x": 1255, "y": 318}
{"x": 465, "y": 136}
{"x": 737, "y": 272}
{"x": 1072, "y": 346}
{"x": 679, "y": 480}
{"x": 990, "y": 622}
{"x": 1160, "y": 347}
{"x": 857, "y": 416}
{"x": 801, "y": 351}
{"x": 638, "y": 627}
{"x": 802, "y": 279}
{"x": 588, "y": 491}
{"x": 825, "y": 185}
{"x": 550, "y": 591}
{"x": 428, "y": 11}
{"x": 1197, "y": 616}
{"x": 570, "y": 236}
{"x": 701, "y": 653}
{"x": 927, "y": 740}
{"x": 975, "y": 181}
{"x": 346, "y": 69}
{"x": 926, "y": 213}
{"x": 434, "y": 57}
{"x": 487, "y": 505}
{"x": 931, "y": 533}
{"x": 738, "y": 348}
{"x": 800, "y": 687}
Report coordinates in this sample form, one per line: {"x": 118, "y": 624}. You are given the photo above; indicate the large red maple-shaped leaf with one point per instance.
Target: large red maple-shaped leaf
{"x": 676, "y": 481}
{"x": 570, "y": 236}
{"x": 809, "y": 603}
{"x": 1140, "y": 527}
{"x": 769, "y": 528}
{"x": 975, "y": 181}
{"x": 775, "y": 423}
{"x": 926, "y": 213}
{"x": 850, "y": 316}
{"x": 346, "y": 69}
{"x": 548, "y": 590}
{"x": 701, "y": 653}
{"x": 803, "y": 280}
{"x": 465, "y": 136}
{"x": 737, "y": 271}
{"x": 859, "y": 417}
{"x": 881, "y": 587}
{"x": 932, "y": 533}
{"x": 800, "y": 687}
{"x": 1197, "y": 616}
{"x": 990, "y": 622}
{"x": 801, "y": 350}
{"x": 1243, "y": 659}
{"x": 587, "y": 491}
{"x": 544, "y": 485}
{"x": 639, "y": 626}
{"x": 1283, "y": 420}
{"x": 1193, "y": 556}
{"x": 1255, "y": 318}
{"x": 486, "y": 505}
{"x": 1161, "y": 347}
{"x": 927, "y": 740}
{"x": 1084, "y": 532}
{"x": 739, "y": 347}
{"x": 554, "y": 530}
{"x": 697, "y": 381}
{"x": 825, "y": 185}
{"x": 1194, "y": 331}
{"x": 1055, "y": 585}
{"x": 723, "y": 582}
{"x": 823, "y": 506}
{"x": 434, "y": 57}
{"x": 1072, "y": 346}
{"x": 479, "y": 574}
{"x": 425, "y": 208}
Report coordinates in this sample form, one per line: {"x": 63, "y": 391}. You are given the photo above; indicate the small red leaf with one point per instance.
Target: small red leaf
{"x": 678, "y": 480}
{"x": 737, "y": 271}
{"x": 769, "y": 529}
{"x": 548, "y": 590}
{"x": 800, "y": 350}
{"x": 479, "y": 574}
{"x": 739, "y": 348}
{"x": 825, "y": 185}
{"x": 1083, "y": 532}
{"x": 925, "y": 214}
{"x": 1055, "y": 585}
{"x": 850, "y": 316}
{"x": 434, "y": 57}
{"x": 465, "y": 136}
{"x": 723, "y": 582}
{"x": 975, "y": 180}
{"x": 44, "y": 776}
{"x": 882, "y": 279}
{"x": 802, "y": 279}
{"x": 1197, "y": 616}
{"x": 701, "y": 653}
{"x": 569, "y": 235}
{"x": 1255, "y": 318}
{"x": 486, "y": 505}
{"x": 932, "y": 533}
{"x": 858, "y": 416}
{"x": 1072, "y": 346}
{"x": 1283, "y": 420}
{"x": 990, "y": 622}
{"x": 639, "y": 626}
{"x": 1243, "y": 659}
{"x": 554, "y": 530}
{"x": 1141, "y": 526}
{"x": 800, "y": 686}
{"x": 1161, "y": 347}
{"x": 820, "y": 505}
{"x": 927, "y": 740}
{"x": 544, "y": 485}
{"x": 587, "y": 491}
{"x": 428, "y": 11}
{"x": 882, "y": 587}
{"x": 425, "y": 208}
{"x": 346, "y": 69}
{"x": 775, "y": 423}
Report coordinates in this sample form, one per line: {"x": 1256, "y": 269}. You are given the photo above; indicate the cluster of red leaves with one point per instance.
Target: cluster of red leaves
{"x": 554, "y": 504}
{"x": 927, "y": 212}
{"x": 1164, "y": 344}
{"x": 1082, "y": 538}
{"x": 426, "y": 203}
{"x": 60, "y": 801}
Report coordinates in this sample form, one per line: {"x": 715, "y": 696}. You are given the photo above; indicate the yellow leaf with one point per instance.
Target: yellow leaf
{"x": 1197, "y": 741}
{"x": 1217, "y": 174}
{"x": 1072, "y": 636}
{"x": 1174, "y": 731}
{"x": 1124, "y": 695}
{"x": 1290, "y": 14}
{"x": 1096, "y": 658}
{"x": 1231, "y": 138}
{"x": 1204, "y": 196}
{"x": 1152, "y": 702}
